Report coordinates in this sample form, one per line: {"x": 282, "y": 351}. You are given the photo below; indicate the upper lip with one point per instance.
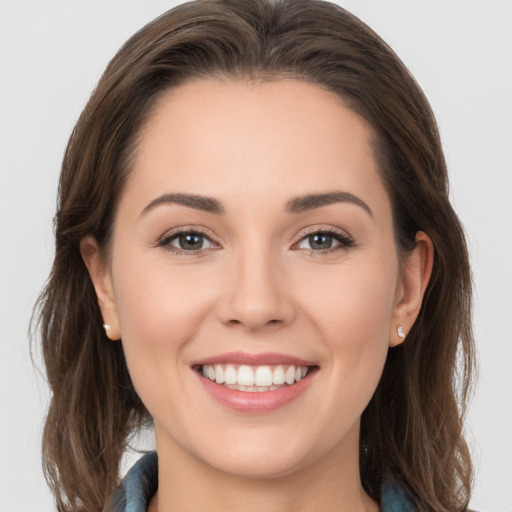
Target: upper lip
{"x": 267, "y": 358}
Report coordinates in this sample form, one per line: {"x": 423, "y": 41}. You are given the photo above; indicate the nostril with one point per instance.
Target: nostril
{"x": 254, "y": 323}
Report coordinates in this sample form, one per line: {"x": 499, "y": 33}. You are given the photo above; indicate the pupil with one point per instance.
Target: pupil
{"x": 191, "y": 241}
{"x": 319, "y": 241}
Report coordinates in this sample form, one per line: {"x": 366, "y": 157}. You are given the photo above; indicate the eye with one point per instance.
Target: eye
{"x": 187, "y": 241}
{"x": 324, "y": 241}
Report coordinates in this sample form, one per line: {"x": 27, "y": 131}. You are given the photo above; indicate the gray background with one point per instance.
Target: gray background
{"x": 51, "y": 55}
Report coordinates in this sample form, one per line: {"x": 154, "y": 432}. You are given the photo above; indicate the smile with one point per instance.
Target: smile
{"x": 255, "y": 383}
{"x": 254, "y": 378}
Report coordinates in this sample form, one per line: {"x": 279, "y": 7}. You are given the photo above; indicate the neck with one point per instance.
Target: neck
{"x": 331, "y": 484}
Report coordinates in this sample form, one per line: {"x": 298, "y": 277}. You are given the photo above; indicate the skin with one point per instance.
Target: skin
{"x": 258, "y": 286}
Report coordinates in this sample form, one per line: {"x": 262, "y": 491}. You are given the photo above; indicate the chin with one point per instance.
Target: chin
{"x": 259, "y": 455}
{"x": 258, "y": 467}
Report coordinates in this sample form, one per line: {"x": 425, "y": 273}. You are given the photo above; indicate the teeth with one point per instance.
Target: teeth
{"x": 229, "y": 375}
{"x": 219, "y": 374}
{"x": 245, "y": 376}
{"x": 263, "y": 376}
{"x": 289, "y": 376}
{"x": 278, "y": 376}
{"x": 254, "y": 379}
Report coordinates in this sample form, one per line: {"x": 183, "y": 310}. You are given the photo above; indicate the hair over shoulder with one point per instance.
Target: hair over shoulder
{"x": 412, "y": 430}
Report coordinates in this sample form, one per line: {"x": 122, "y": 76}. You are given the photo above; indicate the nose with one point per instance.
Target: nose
{"x": 257, "y": 293}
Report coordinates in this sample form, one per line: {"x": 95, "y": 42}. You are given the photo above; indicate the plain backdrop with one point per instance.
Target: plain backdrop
{"x": 51, "y": 55}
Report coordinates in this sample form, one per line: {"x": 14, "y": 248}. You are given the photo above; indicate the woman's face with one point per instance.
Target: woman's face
{"x": 253, "y": 243}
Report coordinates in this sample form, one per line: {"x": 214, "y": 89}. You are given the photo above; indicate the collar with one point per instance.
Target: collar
{"x": 141, "y": 482}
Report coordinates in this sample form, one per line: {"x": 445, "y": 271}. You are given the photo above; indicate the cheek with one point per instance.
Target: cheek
{"x": 353, "y": 313}
{"x": 159, "y": 317}
{"x": 157, "y": 301}
{"x": 354, "y": 302}
{"x": 159, "y": 314}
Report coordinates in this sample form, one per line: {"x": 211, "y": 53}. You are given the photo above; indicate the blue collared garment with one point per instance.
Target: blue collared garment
{"x": 141, "y": 482}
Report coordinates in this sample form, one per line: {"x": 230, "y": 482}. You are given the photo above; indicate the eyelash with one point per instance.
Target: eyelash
{"x": 344, "y": 240}
{"x": 166, "y": 240}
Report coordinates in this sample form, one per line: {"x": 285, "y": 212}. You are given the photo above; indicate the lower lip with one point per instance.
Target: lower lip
{"x": 258, "y": 401}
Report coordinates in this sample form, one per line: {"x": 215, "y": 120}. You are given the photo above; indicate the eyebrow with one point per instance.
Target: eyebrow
{"x": 296, "y": 205}
{"x": 311, "y": 201}
{"x": 206, "y": 204}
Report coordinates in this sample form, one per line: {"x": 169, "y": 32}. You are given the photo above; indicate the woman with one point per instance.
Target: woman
{"x": 253, "y": 209}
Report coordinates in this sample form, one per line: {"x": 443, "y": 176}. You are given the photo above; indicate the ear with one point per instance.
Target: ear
{"x": 102, "y": 282}
{"x": 415, "y": 275}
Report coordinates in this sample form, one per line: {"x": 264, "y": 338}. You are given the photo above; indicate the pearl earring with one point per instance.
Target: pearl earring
{"x": 400, "y": 331}
{"x": 106, "y": 327}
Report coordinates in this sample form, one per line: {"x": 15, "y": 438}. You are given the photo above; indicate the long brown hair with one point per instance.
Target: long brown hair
{"x": 412, "y": 429}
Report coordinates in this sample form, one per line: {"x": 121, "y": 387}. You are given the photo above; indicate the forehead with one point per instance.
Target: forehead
{"x": 261, "y": 140}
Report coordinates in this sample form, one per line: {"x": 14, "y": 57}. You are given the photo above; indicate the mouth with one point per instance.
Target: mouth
{"x": 255, "y": 379}
{"x": 251, "y": 383}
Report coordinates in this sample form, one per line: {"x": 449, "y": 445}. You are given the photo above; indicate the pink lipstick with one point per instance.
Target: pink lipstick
{"x": 254, "y": 382}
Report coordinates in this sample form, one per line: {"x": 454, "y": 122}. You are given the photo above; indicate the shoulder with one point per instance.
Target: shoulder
{"x": 137, "y": 488}
{"x": 394, "y": 499}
